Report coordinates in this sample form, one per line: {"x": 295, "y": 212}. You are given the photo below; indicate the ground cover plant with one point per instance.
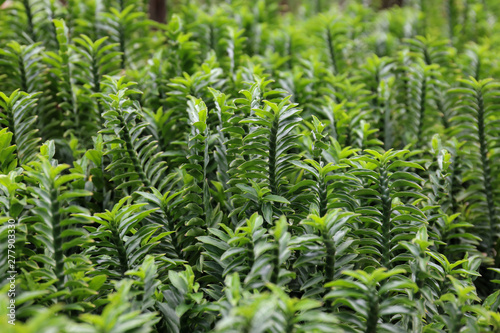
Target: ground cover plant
{"x": 249, "y": 166}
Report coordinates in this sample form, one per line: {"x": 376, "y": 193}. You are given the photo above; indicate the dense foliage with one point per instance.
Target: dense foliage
{"x": 250, "y": 166}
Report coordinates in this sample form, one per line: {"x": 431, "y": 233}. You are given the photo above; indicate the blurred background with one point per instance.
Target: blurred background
{"x": 160, "y": 9}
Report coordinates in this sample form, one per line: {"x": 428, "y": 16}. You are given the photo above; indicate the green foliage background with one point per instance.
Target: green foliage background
{"x": 250, "y": 166}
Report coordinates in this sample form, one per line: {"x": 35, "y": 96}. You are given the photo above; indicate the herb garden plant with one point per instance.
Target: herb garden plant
{"x": 250, "y": 166}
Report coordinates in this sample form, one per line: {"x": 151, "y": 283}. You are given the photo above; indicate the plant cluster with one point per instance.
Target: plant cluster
{"x": 250, "y": 166}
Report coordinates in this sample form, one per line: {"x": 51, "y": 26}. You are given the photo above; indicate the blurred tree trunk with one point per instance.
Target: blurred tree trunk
{"x": 158, "y": 10}
{"x": 389, "y": 3}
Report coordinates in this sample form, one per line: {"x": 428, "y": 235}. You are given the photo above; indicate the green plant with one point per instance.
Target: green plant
{"x": 249, "y": 166}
